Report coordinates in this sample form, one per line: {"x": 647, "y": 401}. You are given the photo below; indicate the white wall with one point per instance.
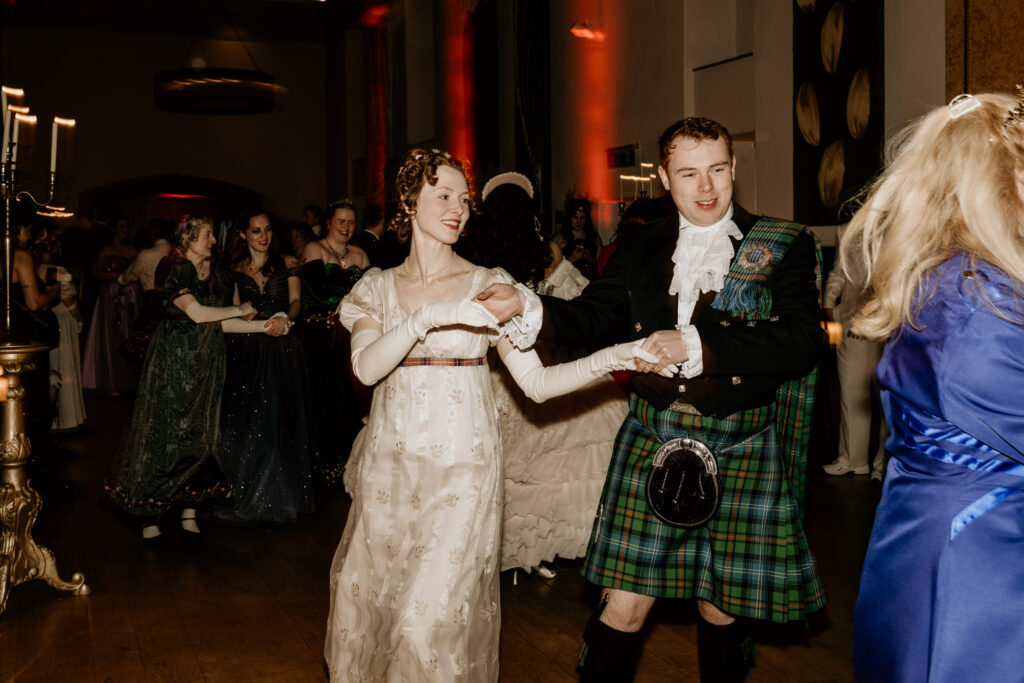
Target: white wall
{"x": 105, "y": 81}
{"x": 915, "y": 60}
{"x": 773, "y": 103}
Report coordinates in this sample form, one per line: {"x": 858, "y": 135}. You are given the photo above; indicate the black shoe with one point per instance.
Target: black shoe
{"x": 725, "y": 653}
{"x": 153, "y": 541}
{"x": 189, "y": 535}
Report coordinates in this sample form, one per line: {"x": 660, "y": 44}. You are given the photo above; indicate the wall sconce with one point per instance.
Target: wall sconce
{"x": 583, "y": 29}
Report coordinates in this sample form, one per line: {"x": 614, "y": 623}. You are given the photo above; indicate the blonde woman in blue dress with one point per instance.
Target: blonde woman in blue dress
{"x": 414, "y": 583}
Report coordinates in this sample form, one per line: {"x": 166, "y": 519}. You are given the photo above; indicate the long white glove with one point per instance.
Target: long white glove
{"x": 540, "y": 383}
{"x": 374, "y": 355}
{"x": 199, "y": 313}
{"x": 237, "y": 325}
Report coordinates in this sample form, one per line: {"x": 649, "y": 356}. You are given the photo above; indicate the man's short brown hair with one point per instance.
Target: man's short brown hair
{"x": 695, "y": 127}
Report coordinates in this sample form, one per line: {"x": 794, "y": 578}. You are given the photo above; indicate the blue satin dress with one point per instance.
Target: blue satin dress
{"x": 942, "y": 592}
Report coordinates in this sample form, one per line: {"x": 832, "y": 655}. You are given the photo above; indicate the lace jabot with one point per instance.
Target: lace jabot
{"x": 701, "y": 258}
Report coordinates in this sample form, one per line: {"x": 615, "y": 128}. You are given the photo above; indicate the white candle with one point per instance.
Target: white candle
{"x": 53, "y": 146}
{"x": 6, "y": 115}
{"x": 14, "y": 140}
{"x": 19, "y": 118}
{"x": 7, "y": 130}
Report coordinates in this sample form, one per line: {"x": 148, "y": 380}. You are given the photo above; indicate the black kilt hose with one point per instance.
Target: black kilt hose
{"x": 751, "y": 559}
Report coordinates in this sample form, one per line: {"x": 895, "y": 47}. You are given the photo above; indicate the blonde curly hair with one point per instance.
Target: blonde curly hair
{"x": 951, "y": 184}
{"x": 188, "y": 230}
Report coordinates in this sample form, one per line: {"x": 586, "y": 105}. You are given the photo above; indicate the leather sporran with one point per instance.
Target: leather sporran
{"x": 682, "y": 487}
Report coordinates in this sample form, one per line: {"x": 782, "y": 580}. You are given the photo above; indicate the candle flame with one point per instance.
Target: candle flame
{"x": 17, "y": 92}
{"x": 16, "y": 109}
{"x": 63, "y": 122}
{"x": 25, "y": 118}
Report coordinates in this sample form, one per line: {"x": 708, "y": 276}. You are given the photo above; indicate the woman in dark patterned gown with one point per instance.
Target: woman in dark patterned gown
{"x": 169, "y": 455}
{"x": 264, "y": 411}
{"x": 330, "y": 267}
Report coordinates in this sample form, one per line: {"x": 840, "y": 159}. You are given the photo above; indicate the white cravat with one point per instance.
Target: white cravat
{"x": 701, "y": 258}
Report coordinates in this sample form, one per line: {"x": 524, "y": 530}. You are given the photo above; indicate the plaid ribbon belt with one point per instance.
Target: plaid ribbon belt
{"x": 452, "y": 362}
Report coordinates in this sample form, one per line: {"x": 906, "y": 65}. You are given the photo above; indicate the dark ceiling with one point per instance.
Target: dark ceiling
{"x": 288, "y": 20}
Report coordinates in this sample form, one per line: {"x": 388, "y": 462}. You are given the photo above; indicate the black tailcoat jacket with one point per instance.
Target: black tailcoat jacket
{"x": 745, "y": 361}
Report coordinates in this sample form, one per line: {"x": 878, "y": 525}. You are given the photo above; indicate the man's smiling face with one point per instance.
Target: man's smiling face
{"x": 699, "y": 176}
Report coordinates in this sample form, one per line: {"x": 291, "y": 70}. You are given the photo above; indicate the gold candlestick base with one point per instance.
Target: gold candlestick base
{"x": 21, "y": 559}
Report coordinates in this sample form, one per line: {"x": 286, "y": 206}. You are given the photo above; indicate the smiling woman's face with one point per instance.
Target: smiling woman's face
{"x": 443, "y": 209}
{"x": 259, "y": 233}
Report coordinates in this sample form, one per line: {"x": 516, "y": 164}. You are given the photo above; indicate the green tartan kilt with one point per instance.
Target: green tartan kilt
{"x": 751, "y": 559}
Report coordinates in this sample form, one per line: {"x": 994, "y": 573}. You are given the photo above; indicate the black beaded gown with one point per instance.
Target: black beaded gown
{"x": 339, "y": 402}
{"x": 170, "y": 452}
{"x": 265, "y": 413}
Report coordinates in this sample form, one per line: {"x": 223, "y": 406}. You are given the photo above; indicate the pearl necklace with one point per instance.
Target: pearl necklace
{"x": 405, "y": 266}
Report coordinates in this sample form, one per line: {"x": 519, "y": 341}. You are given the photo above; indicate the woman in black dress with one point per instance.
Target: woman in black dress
{"x": 264, "y": 412}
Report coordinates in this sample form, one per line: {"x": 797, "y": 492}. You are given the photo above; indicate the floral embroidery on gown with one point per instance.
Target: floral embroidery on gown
{"x": 414, "y": 583}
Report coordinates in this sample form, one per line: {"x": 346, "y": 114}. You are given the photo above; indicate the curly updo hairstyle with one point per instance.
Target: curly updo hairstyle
{"x": 419, "y": 167}
{"x": 188, "y": 231}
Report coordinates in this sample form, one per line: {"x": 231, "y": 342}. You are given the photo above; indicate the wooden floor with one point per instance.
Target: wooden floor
{"x": 250, "y": 603}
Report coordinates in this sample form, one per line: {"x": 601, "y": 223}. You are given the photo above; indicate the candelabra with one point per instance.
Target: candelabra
{"x": 21, "y": 559}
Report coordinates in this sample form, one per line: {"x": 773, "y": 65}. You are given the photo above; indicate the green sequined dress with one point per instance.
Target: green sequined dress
{"x": 170, "y": 451}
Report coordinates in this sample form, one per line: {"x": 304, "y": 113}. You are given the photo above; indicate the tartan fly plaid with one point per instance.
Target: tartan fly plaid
{"x": 418, "y": 361}
{"x": 751, "y": 559}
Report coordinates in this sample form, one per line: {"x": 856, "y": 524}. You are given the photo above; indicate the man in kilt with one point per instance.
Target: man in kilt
{"x": 730, "y": 304}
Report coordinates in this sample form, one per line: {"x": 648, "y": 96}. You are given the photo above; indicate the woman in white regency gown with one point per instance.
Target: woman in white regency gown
{"x": 414, "y": 583}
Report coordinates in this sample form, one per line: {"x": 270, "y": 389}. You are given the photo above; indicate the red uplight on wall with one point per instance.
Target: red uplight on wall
{"x": 595, "y": 62}
{"x": 376, "y": 99}
{"x": 458, "y": 80}
{"x": 373, "y": 15}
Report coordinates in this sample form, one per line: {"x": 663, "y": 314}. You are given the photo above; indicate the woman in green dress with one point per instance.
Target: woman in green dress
{"x": 330, "y": 266}
{"x": 169, "y": 454}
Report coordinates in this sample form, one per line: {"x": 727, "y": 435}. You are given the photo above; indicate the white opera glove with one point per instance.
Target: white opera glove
{"x": 287, "y": 321}
{"x": 374, "y": 354}
{"x": 199, "y": 313}
{"x": 540, "y": 383}
{"x": 446, "y": 313}
{"x": 239, "y": 326}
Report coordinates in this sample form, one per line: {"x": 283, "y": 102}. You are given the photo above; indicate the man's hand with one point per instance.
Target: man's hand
{"x": 669, "y": 347}
{"x": 503, "y": 301}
